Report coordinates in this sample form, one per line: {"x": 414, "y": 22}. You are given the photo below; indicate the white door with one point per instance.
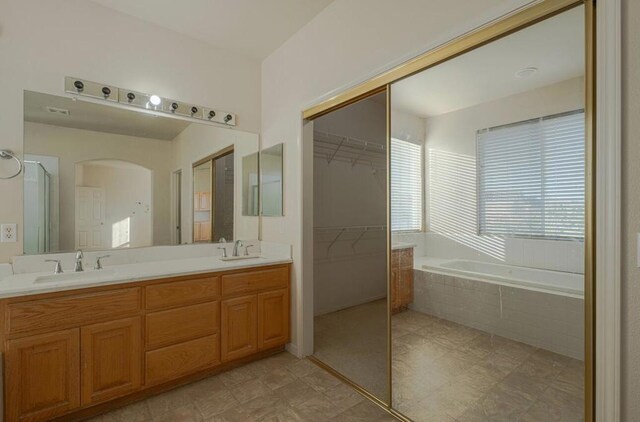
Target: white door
{"x": 90, "y": 218}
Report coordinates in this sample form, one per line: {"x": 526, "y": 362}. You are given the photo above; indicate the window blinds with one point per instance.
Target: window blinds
{"x": 531, "y": 177}
{"x": 406, "y": 186}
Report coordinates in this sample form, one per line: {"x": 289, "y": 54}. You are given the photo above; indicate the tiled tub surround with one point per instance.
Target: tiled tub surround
{"x": 549, "y": 320}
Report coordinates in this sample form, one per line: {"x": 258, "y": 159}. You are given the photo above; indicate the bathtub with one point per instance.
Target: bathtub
{"x": 538, "y": 307}
{"x": 558, "y": 282}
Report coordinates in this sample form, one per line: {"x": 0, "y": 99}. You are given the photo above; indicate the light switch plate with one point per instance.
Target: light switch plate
{"x": 8, "y": 233}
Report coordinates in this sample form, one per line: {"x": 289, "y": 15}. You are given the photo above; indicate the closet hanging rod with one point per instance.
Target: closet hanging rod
{"x": 336, "y": 138}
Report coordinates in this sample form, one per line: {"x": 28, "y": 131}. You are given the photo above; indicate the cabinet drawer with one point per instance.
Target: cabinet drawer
{"x": 182, "y": 359}
{"x": 185, "y": 292}
{"x": 250, "y": 282}
{"x": 71, "y": 311}
{"x": 176, "y": 325}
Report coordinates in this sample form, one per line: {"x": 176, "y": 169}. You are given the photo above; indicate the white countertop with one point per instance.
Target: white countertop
{"x": 27, "y": 284}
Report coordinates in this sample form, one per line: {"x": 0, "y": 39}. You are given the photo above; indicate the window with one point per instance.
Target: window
{"x": 406, "y": 186}
{"x": 531, "y": 178}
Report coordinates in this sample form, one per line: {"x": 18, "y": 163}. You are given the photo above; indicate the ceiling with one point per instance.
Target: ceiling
{"x": 250, "y": 27}
{"x": 99, "y": 118}
{"x": 554, "y": 46}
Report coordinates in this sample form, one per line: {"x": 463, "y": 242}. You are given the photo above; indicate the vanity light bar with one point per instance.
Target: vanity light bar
{"x": 154, "y": 102}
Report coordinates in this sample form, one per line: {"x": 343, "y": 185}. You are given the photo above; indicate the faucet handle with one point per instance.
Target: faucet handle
{"x": 98, "y": 263}
{"x": 224, "y": 251}
{"x": 58, "y": 269}
{"x": 246, "y": 249}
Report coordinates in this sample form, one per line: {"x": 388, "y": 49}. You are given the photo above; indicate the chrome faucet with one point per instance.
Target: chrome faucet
{"x": 58, "y": 269}
{"x": 79, "y": 256}
{"x": 98, "y": 265}
{"x": 236, "y": 244}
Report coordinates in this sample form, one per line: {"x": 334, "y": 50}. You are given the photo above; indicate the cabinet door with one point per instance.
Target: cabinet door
{"x": 273, "y": 318}
{"x": 111, "y": 359}
{"x": 196, "y": 231}
{"x": 205, "y": 201}
{"x": 239, "y": 327}
{"x": 395, "y": 290}
{"x": 196, "y": 201}
{"x": 42, "y": 376}
{"x": 406, "y": 286}
{"x": 205, "y": 230}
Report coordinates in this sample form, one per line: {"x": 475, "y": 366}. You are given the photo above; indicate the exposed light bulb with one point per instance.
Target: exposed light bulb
{"x": 155, "y": 100}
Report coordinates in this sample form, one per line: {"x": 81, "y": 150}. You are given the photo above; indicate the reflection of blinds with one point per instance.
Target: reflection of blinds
{"x": 406, "y": 186}
{"x": 531, "y": 177}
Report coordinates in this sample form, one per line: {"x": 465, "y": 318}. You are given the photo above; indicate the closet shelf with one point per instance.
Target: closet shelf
{"x": 335, "y": 147}
{"x": 328, "y": 229}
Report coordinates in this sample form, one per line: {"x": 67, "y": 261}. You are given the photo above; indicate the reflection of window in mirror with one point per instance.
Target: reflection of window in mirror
{"x": 271, "y": 161}
{"x": 213, "y": 194}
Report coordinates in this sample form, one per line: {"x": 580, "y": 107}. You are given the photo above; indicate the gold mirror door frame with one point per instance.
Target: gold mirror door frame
{"x": 515, "y": 21}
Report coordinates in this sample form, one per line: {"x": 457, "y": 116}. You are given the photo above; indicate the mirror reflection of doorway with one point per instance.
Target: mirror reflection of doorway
{"x": 112, "y": 205}
{"x": 213, "y": 195}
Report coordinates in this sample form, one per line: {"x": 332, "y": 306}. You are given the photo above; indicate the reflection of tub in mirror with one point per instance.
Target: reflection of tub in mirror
{"x": 106, "y": 176}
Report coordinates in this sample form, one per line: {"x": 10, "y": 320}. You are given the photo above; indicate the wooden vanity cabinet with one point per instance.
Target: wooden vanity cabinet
{"x": 67, "y": 352}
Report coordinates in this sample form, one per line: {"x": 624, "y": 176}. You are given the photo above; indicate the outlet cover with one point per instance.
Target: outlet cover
{"x": 8, "y": 233}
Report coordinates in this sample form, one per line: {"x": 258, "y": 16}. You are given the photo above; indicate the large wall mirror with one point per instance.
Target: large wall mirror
{"x": 101, "y": 176}
{"x": 488, "y": 222}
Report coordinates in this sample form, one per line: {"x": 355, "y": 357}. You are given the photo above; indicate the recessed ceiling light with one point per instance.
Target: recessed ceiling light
{"x": 526, "y": 72}
{"x": 155, "y": 100}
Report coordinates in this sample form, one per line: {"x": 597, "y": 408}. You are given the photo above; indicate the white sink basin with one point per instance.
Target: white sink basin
{"x": 236, "y": 258}
{"x": 83, "y": 275}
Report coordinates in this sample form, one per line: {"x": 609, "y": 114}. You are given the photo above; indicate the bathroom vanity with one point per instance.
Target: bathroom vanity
{"x": 72, "y": 354}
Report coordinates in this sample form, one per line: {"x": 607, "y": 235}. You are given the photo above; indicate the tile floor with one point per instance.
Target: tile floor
{"x": 280, "y": 388}
{"x": 445, "y": 372}
{"x": 442, "y": 372}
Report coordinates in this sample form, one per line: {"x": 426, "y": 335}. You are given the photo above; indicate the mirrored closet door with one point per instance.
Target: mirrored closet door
{"x": 488, "y": 227}
{"x": 350, "y": 243}
{"x": 452, "y": 258}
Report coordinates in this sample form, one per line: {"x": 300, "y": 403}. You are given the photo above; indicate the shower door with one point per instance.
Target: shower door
{"x": 350, "y": 239}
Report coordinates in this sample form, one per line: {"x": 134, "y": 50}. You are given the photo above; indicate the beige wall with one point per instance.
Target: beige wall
{"x": 75, "y": 145}
{"x": 630, "y": 294}
{"x": 41, "y": 42}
